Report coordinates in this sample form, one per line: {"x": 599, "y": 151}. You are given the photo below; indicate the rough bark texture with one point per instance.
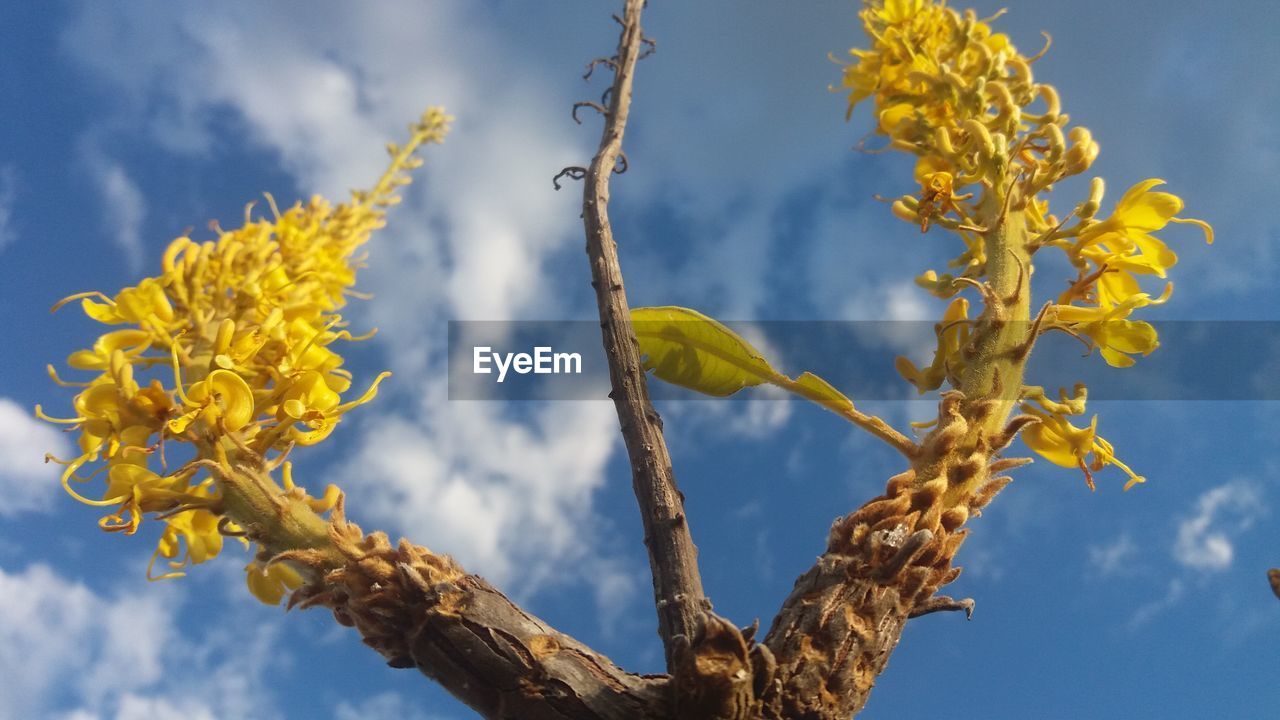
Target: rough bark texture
{"x": 843, "y": 619}
{"x": 883, "y": 565}
{"x": 421, "y": 610}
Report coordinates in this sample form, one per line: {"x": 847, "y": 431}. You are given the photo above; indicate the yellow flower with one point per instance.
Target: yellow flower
{"x": 192, "y": 536}
{"x": 1055, "y": 439}
{"x": 223, "y": 400}
{"x": 130, "y": 341}
{"x": 899, "y": 11}
{"x": 1124, "y": 241}
{"x": 1109, "y": 328}
{"x": 269, "y": 581}
{"x": 990, "y": 144}
{"x": 243, "y": 368}
{"x": 142, "y": 304}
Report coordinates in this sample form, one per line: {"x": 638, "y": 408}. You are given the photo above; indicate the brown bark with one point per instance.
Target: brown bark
{"x": 712, "y": 664}
{"x": 883, "y": 565}
{"x": 677, "y": 585}
{"x": 422, "y": 610}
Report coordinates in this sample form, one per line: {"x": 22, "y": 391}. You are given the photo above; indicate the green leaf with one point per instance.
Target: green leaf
{"x": 820, "y": 391}
{"x": 689, "y": 349}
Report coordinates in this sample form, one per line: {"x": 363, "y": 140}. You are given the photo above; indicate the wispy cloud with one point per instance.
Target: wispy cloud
{"x": 1203, "y": 543}
{"x": 1204, "y": 540}
{"x": 118, "y": 655}
{"x": 26, "y": 481}
{"x": 124, "y": 208}
{"x": 8, "y": 185}
{"x": 1173, "y": 593}
{"x": 510, "y": 499}
{"x": 1114, "y": 558}
{"x": 383, "y": 706}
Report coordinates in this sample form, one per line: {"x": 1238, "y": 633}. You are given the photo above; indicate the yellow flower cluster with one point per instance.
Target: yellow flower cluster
{"x": 223, "y": 362}
{"x": 1110, "y": 254}
{"x": 989, "y": 143}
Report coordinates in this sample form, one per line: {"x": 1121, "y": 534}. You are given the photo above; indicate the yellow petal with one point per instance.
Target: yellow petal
{"x": 1145, "y": 210}
{"x": 233, "y": 396}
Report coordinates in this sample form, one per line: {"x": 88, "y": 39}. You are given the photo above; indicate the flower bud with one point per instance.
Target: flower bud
{"x": 1089, "y": 207}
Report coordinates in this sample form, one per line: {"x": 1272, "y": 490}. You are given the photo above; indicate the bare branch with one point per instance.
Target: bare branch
{"x": 677, "y": 584}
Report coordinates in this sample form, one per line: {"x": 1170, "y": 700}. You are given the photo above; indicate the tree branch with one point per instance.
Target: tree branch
{"x": 419, "y": 609}
{"x": 883, "y": 565}
{"x": 677, "y": 584}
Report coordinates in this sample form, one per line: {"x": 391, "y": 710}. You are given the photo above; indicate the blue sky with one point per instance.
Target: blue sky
{"x": 129, "y": 124}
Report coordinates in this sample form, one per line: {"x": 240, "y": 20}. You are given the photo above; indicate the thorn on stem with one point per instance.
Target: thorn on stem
{"x": 1012, "y": 298}
{"x": 1037, "y": 325}
{"x": 910, "y": 549}
{"x": 1008, "y": 464}
{"x": 942, "y": 603}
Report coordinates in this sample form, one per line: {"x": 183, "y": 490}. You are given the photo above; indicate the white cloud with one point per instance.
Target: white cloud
{"x": 1203, "y": 543}
{"x": 7, "y": 191}
{"x": 900, "y": 301}
{"x": 123, "y": 206}
{"x": 1173, "y": 593}
{"x": 383, "y": 706}
{"x": 43, "y": 628}
{"x": 1116, "y": 557}
{"x": 616, "y": 586}
{"x": 133, "y": 707}
{"x": 509, "y": 499}
{"x": 1204, "y": 540}
{"x": 26, "y": 481}
{"x": 118, "y": 656}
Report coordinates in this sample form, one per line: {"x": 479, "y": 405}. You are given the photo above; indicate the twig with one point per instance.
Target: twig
{"x": 573, "y": 173}
{"x": 587, "y": 103}
{"x": 677, "y": 584}
{"x": 591, "y": 66}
